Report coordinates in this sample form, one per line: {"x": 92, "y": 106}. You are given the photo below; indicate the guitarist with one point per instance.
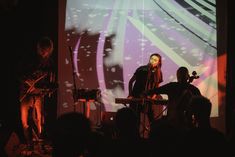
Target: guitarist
{"x": 38, "y": 76}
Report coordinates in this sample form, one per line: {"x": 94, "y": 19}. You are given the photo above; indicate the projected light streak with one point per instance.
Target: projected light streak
{"x": 75, "y": 56}
{"x": 202, "y": 2}
{"x": 161, "y": 45}
{"x": 99, "y": 58}
{"x": 199, "y": 28}
{"x": 117, "y": 11}
{"x": 179, "y": 36}
{"x": 204, "y": 12}
{"x": 100, "y": 49}
{"x": 202, "y": 9}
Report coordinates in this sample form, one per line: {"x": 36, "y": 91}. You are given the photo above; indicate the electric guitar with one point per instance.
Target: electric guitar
{"x": 32, "y": 85}
{"x": 29, "y": 85}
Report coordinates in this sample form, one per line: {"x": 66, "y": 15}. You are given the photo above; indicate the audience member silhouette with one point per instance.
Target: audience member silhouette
{"x": 179, "y": 94}
{"x": 126, "y": 123}
{"x": 128, "y": 142}
{"x": 99, "y": 145}
{"x": 71, "y": 135}
{"x": 165, "y": 139}
{"x": 201, "y": 110}
{"x": 204, "y": 140}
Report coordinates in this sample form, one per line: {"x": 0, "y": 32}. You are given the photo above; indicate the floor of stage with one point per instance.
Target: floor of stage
{"x": 39, "y": 149}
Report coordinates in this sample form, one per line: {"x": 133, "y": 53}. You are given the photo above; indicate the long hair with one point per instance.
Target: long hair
{"x": 159, "y": 79}
{"x": 154, "y": 75}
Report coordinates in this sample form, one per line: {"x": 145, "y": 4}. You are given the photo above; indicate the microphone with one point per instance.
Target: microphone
{"x": 151, "y": 68}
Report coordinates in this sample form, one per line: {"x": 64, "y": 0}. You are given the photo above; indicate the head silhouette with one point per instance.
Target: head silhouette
{"x": 71, "y": 133}
{"x": 126, "y": 123}
{"x": 45, "y": 47}
{"x": 182, "y": 74}
{"x": 201, "y": 109}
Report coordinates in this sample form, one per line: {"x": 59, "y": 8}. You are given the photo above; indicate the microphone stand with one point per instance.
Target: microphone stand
{"x": 74, "y": 82}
